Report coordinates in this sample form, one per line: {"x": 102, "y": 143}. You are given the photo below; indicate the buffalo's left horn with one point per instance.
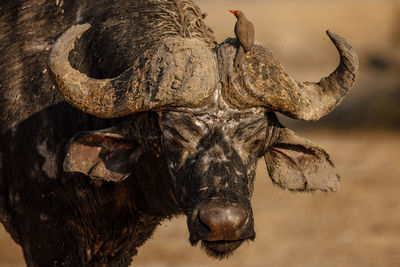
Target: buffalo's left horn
{"x": 262, "y": 81}
{"x": 177, "y": 72}
{"x": 98, "y": 97}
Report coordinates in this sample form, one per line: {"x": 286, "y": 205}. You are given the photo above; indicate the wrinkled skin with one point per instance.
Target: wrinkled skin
{"x": 212, "y": 159}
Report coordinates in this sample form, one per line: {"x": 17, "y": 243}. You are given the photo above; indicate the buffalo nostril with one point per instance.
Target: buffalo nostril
{"x": 223, "y": 223}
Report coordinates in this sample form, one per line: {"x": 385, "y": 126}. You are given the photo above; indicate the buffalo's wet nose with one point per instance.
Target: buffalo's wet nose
{"x": 222, "y": 223}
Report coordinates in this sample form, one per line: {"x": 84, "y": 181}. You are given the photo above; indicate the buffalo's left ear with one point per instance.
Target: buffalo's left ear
{"x": 297, "y": 164}
{"x": 104, "y": 154}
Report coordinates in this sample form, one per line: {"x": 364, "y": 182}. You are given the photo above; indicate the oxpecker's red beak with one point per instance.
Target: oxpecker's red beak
{"x": 232, "y": 11}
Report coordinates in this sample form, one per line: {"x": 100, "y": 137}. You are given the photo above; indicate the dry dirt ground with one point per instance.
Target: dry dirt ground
{"x": 357, "y": 226}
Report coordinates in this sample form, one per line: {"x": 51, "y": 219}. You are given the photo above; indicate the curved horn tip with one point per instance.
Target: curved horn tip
{"x": 65, "y": 43}
{"x": 84, "y": 26}
{"x": 72, "y": 34}
{"x": 338, "y": 40}
{"x": 80, "y": 29}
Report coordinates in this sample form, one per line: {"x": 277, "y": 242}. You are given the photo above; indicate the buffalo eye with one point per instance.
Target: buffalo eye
{"x": 170, "y": 139}
{"x": 256, "y": 146}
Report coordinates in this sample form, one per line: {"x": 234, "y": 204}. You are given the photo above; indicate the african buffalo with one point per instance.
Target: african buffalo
{"x": 159, "y": 123}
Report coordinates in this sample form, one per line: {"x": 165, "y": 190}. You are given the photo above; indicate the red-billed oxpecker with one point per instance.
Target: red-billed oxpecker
{"x": 244, "y": 31}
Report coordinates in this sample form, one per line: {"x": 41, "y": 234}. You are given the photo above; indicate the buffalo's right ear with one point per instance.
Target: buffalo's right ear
{"x": 297, "y": 164}
{"x": 103, "y": 154}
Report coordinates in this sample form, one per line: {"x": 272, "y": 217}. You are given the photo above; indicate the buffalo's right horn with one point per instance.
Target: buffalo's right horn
{"x": 179, "y": 72}
{"x": 262, "y": 81}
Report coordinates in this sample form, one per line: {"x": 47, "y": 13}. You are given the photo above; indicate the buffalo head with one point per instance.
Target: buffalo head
{"x": 209, "y": 122}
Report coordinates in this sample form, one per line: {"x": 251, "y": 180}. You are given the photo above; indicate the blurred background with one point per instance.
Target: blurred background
{"x": 360, "y": 224}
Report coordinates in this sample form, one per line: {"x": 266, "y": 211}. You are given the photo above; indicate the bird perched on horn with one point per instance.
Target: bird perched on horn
{"x": 244, "y": 31}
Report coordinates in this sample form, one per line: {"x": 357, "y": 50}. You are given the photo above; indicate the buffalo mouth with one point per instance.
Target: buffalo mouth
{"x": 220, "y": 249}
